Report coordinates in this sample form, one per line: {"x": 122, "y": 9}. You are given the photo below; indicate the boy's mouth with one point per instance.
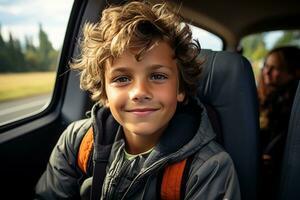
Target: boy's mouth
{"x": 141, "y": 112}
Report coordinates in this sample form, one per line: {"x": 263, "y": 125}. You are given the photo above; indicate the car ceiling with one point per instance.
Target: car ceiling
{"x": 233, "y": 19}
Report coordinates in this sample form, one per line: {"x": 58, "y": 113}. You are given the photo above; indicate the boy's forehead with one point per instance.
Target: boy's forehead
{"x": 158, "y": 48}
{"x": 159, "y": 54}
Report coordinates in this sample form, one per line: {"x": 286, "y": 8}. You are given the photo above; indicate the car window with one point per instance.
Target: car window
{"x": 207, "y": 39}
{"x": 256, "y": 46}
{"x": 31, "y": 37}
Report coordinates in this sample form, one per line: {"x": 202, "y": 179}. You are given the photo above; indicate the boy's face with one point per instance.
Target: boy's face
{"x": 143, "y": 95}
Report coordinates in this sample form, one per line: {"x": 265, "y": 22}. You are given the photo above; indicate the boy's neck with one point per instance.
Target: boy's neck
{"x": 136, "y": 143}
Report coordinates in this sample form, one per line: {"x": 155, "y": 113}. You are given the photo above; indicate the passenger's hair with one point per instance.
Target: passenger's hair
{"x": 136, "y": 24}
{"x": 290, "y": 56}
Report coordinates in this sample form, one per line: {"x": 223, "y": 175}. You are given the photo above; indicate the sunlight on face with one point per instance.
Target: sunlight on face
{"x": 143, "y": 95}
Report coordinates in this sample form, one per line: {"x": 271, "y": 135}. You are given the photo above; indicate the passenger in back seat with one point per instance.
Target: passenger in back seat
{"x": 276, "y": 90}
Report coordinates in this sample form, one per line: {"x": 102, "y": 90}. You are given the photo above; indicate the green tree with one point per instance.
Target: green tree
{"x": 53, "y": 56}
{"x": 2, "y": 42}
{"x": 3, "y": 54}
{"x": 32, "y": 58}
{"x": 44, "y": 50}
{"x": 254, "y": 47}
{"x": 15, "y": 58}
{"x": 288, "y": 38}
{"x": 14, "y": 55}
{"x": 18, "y": 56}
{"x": 260, "y": 52}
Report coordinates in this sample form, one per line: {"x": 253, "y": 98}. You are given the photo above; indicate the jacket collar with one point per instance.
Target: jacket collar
{"x": 188, "y": 131}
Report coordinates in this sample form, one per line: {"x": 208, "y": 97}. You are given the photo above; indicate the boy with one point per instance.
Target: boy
{"x": 141, "y": 67}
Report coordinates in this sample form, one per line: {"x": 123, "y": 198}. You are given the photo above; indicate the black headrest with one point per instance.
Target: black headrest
{"x": 227, "y": 84}
{"x": 290, "y": 173}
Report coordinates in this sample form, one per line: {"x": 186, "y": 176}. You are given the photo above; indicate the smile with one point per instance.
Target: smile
{"x": 142, "y": 112}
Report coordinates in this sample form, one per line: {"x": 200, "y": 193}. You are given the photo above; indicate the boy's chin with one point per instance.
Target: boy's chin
{"x": 145, "y": 129}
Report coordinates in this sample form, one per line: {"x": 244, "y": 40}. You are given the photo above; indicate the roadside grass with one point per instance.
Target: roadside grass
{"x": 20, "y": 85}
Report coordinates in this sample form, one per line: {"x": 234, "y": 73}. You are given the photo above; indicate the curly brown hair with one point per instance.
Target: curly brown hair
{"x": 135, "y": 24}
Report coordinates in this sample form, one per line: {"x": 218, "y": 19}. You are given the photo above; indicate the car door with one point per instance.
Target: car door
{"x": 26, "y": 141}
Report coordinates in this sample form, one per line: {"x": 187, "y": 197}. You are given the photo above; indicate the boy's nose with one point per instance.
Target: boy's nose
{"x": 140, "y": 91}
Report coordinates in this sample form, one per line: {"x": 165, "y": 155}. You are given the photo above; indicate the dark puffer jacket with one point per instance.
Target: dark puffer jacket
{"x": 211, "y": 176}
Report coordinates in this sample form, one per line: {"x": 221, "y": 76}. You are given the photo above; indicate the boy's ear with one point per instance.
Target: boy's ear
{"x": 106, "y": 104}
{"x": 180, "y": 96}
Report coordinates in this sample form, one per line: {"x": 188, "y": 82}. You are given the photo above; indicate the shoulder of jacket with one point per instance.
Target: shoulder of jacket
{"x": 211, "y": 151}
{"x": 211, "y": 161}
{"x": 78, "y": 126}
{"x": 212, "y": 166}
{"x": 75, "y": 132}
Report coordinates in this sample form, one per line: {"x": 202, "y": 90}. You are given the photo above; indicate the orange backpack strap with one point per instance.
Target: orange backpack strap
{"x": 85, "y": 150}
{"x": 171, "y": 181}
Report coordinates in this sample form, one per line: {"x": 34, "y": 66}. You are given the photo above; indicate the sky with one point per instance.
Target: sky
{"x": 206, "y": 39}
{"x": 22, "y": 17}
{"x": 271, "y": 38}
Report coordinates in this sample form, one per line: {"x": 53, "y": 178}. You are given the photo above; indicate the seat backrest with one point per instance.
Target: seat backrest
{"x": 227, "y": 85}
{"x": 290, "y": 173}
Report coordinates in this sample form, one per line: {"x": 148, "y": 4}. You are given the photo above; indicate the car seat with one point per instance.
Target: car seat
{"x": 290, "y": 172}
{"x": 227, "y": 85}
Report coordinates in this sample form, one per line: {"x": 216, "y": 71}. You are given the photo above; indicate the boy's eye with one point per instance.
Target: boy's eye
{"x": 121, "y": 80}
{"x": 158, "y": 77}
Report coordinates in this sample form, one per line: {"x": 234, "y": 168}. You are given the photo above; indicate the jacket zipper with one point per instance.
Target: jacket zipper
{"x": 153, "y": 166}
{"x": 115, "y": 175}
{"x": 123, "y": 169}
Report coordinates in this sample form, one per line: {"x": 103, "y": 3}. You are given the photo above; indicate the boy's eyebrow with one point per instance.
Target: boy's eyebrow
{"x": 126, "y": 69}
{"x": 119, "y": 69}
{"x": 158, "y": 66}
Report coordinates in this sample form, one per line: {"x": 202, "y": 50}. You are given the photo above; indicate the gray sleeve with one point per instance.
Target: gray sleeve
{"x": 214, "y": 178}
{"x": 60, "y": 179}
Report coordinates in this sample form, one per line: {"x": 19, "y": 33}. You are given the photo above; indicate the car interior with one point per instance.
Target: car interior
{"x": 227, "y": 86}
{"x": 290, "y": 175}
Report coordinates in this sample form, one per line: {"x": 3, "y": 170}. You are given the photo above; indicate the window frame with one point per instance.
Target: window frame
{"x": 52, "y": 111}
{"x": 223, "y": 42}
